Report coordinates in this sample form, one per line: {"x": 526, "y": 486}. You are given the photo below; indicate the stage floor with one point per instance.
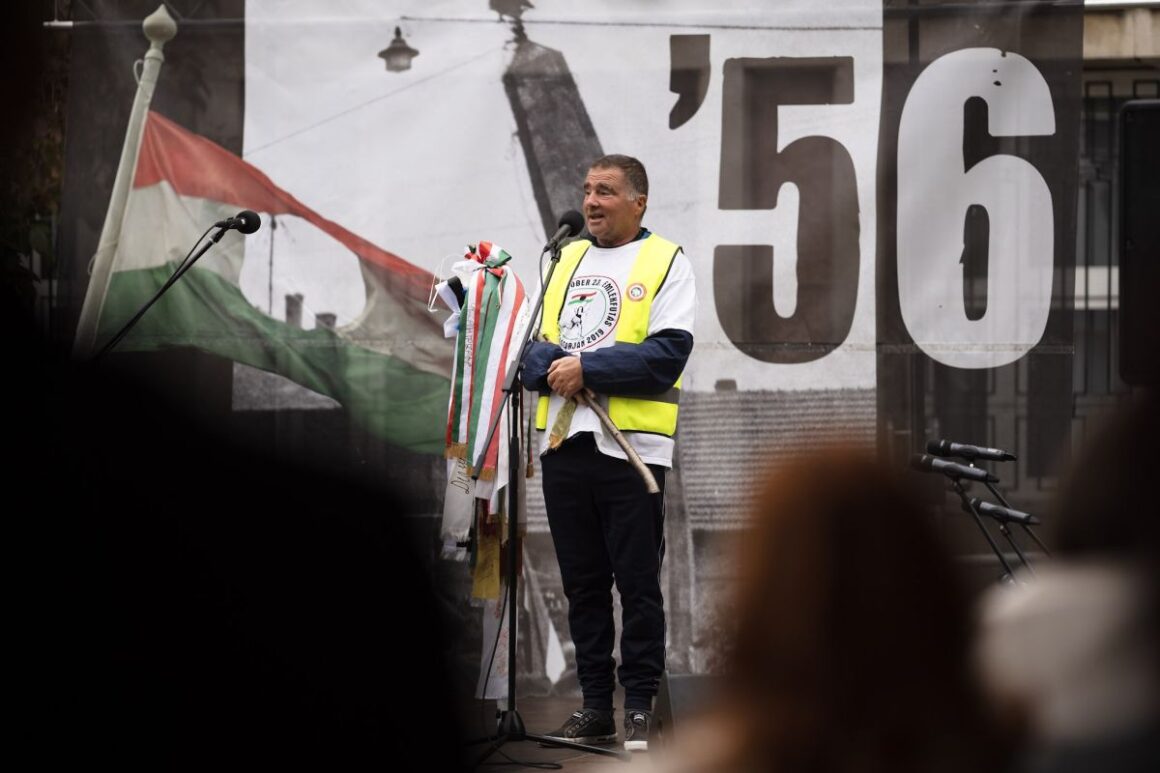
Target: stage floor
{"x": 540, "y": 715}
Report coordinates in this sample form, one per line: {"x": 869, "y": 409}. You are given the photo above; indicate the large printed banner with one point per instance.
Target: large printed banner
{"x": 759, "y": 129}
{"x": 877, "y": 197}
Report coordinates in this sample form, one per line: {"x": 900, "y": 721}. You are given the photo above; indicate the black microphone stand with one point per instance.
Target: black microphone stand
{"x": 184, "y": 266}
{"x": 1008, "y": 575}
{"x": 510, "y": 726}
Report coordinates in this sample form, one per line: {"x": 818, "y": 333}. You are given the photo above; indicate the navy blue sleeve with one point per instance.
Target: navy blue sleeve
{"x": 647, "y": 368}
{"x": 534, "y": 373}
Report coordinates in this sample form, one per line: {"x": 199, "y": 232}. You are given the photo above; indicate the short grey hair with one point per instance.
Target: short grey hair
{"x": 633, "y": 170}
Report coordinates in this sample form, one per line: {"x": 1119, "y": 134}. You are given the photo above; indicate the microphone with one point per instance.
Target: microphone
{"x": 1004, "y": 514}
{"x": 246, "y": 221}
{"x": 951, "y": 469}
{"x": 570, "y": 224}
{"x": 970, "y": 453}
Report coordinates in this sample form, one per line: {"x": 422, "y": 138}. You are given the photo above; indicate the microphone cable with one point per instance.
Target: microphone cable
{"x": 182, "y": 267}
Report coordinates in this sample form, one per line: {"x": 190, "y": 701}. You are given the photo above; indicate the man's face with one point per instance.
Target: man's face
{"x": 612, "y": 217}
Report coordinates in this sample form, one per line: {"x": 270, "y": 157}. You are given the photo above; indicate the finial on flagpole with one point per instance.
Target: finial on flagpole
{"x": 159, "y": 27}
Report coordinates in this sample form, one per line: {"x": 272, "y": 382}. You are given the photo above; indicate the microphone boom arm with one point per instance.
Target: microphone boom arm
{"x": 245, "y": 221}
{"x": 182, "y": 267}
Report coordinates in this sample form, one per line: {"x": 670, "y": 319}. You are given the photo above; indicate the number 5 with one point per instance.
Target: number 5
{"x": 753, "y": 172}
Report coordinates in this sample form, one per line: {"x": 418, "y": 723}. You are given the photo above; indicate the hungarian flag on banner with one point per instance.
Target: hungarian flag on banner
{"x": 389, "y": 368}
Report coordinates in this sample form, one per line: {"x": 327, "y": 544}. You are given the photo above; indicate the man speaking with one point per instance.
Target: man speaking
{"x": 617, "y": 329}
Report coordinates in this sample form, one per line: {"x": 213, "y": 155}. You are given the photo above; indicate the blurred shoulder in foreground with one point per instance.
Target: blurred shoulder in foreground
{"x": 1077, "y": 644}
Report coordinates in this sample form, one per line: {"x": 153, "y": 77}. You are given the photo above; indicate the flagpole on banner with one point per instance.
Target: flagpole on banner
{"x": 159, "y": 28}
{"x": 510, "y": 725}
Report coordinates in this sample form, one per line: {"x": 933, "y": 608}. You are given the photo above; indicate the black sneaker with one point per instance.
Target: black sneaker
{"x": 587, "y": 726}
{"x": 636, "y": 724}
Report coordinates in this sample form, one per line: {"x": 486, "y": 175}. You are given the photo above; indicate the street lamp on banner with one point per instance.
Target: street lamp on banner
{"x": 398, "y": 54}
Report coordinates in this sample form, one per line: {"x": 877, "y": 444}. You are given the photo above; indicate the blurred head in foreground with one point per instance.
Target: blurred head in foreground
{"x": 852, "y": 640}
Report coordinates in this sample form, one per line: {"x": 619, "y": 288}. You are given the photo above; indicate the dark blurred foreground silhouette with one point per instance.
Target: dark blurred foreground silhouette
{"x": 186, "y": 603}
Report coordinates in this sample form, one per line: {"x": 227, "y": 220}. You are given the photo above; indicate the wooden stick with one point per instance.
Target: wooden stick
{"x": 585, "y": 397}
{"x": 633, "y": 457}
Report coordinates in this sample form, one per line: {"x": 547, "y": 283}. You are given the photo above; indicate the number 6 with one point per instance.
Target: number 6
{"x": 935, "y": 192}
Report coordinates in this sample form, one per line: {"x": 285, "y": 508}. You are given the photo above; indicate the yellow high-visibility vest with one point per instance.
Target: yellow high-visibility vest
{"x": 651, "y": 413}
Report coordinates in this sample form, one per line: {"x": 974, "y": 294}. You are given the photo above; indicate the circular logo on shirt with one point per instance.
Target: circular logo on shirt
{"x": 636, "y": 291}
{"x": 591, "y": 309}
